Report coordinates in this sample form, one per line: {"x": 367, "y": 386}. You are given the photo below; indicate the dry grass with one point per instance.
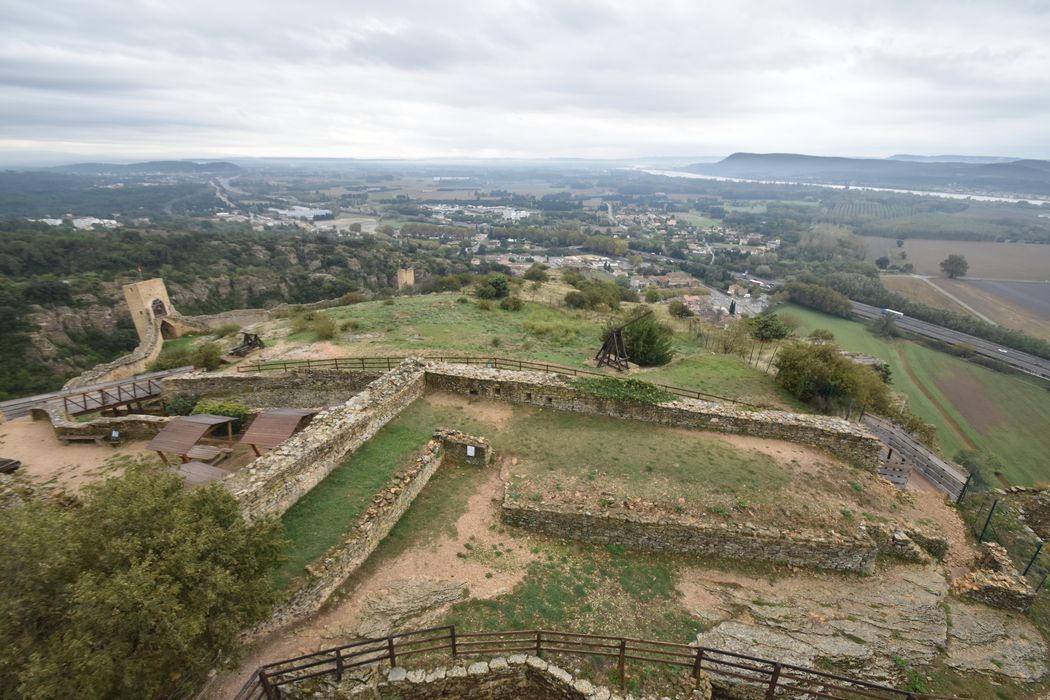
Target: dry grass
{"x": 922, "y": 292}
{"x": 1015, "y": 261}
{"x": 1003, "y": 311}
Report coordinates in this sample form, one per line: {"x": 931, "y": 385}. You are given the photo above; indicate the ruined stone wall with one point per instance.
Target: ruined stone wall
{"x": 131, "y": 427}
{"x": 299, "y": 389}
{"x": 994, "y": 581}
{"x": 241, "y": 317}
{"x": 691, "y": 536}
{"x": 124, "y": 366}
{"x": 275, "y": 481}
{"x": 515, "y": 677}
{"x": 847, "y": 441}
{"x": 457, "y": 448}
{"x": 328, "y": 571}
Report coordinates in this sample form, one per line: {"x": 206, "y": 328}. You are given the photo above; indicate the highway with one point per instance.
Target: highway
{"x": 1021, "y": 361}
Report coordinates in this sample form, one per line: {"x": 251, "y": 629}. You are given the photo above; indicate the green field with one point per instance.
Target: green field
{"x": 971, "y": 406}
{"x": 440, "y": 324}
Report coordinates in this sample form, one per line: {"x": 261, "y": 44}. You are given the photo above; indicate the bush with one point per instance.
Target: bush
{"x": 678, "y": 309}
{"x": 323, "y": 327}
{"x": 495, "y": 286}
{"x": 484, "y": 305}
{"x": 181, "y": 405}
{"x": 652, "y": 296}
{"x": 388, "y": 302}
{"x": 350, "y": 325}
{"x": 648, "y": 341}
{"x": 823, "y": 378}
{"x": 147, "y": 584}
{"x": 219, "y": 407}
{"x": 576, "y": 300}
{"x": 206, "y": 356}
{"x": 226, "y": 329}
{"x": 537, "y": 273}
{"x": 512, "y": 304}
{"x": 623, "y": 389}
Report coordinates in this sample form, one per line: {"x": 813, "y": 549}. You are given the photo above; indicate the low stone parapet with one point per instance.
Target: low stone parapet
{"x": 847, "y": 441}
{"x": 315, "y": 388}
{"x": 833, "y": 551}
{"x": 994, "y": 581}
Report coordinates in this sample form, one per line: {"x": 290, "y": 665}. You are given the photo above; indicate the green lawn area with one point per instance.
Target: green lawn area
{"x": 971, "y": 406}
{"x": 437, "y": 323}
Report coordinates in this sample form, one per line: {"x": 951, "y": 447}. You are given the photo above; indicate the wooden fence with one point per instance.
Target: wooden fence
{"x": 388, "y": 363}
{"x": 776, "y": 678}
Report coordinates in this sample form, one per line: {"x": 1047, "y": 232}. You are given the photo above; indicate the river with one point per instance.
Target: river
{"x": 921, "y": 193}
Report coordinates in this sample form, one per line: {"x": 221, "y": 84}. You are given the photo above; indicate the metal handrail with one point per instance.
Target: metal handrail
{"x": 267, "y": 680}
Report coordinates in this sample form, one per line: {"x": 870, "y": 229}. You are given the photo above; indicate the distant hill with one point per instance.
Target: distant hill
{"x": 952, "y": 159}
{"x": 161, "y": 167}
{"x": 1021, "y": 177}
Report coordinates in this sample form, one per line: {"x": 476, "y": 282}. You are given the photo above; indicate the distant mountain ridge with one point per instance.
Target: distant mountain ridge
{"x": 952, "y": 159}
{"x": 151, "y": 167}
{"x": 1021, "y": 177}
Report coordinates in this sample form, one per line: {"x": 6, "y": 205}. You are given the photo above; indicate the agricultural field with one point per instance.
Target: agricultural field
{"x": 971, "y": 407}
{"x": 1024, "y": 306}
{"x": 921, "y": 291}
{"x": 860, "y": 209}
{"x": 1009, "y": 261}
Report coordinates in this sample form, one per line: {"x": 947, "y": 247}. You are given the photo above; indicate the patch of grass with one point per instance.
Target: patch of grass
{"x": 322, "y": 518}
{"x": 623, "y": 389}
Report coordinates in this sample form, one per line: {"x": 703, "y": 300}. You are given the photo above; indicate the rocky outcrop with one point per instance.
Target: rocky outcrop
{"x": 388, "y": 610}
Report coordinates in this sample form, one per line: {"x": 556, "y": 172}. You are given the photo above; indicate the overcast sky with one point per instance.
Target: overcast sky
{"x": 357, "y": 78}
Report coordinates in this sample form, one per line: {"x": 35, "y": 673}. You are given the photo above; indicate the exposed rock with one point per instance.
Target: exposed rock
{"x": 389, "y": 609}
{"x": 989, "y": 641}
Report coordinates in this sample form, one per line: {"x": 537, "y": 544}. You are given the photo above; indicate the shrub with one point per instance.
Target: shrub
{"x": 462, "y": 300}
{"x": 388, "y": 302}
{"x": 181, "y": 404}
{"x": 323, "y": 327}
{"x": 349, "y": 325}
{"x": 622, "y": 389}
{"x": 648, "y": 341}
{"x": 652, "y": 296}
{"x": 206, "y": 356}
{"x": 484, "y": 305}
{"x": 512, "y": 304}
{"x": 225, "y": 330}
{"x": 537, "y": 273}
{"x": 495, "y": 286}
{"x": 576, "y": 300}
{"x": 679, "y": 310}
{"x": 219, "y": 407}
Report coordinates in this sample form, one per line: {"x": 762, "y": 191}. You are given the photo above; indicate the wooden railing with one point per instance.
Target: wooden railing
{"x": 97, "y": 399}
{"x": 365, "y": 364}
{"x": 776, "y": 678}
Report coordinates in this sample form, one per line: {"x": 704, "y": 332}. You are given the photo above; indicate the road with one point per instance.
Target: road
{"x": 1021, "y": 361}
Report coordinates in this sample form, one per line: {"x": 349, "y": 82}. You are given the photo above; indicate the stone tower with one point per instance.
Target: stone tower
{"x": 406, "y": 277}
{"x": 148, "y": 300}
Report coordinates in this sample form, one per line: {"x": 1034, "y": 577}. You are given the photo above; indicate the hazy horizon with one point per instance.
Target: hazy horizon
{"x": 520, "y": 80}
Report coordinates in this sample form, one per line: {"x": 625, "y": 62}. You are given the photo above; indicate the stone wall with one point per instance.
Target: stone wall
{"x": 275, "y": 481}
{"x": 131, "y": 427}
{"x": 125, "y": 366}
{"x": 297, "y": 389}
{"x": 462, "y": 449}
{"x": 994, "y": 581}
{"x": 516, "y": 677}
{"x": 847, "y": 441}
{"x": 240, "y": 317}
{"x": 328, "y": 572}
{"x": 692, "y": 536}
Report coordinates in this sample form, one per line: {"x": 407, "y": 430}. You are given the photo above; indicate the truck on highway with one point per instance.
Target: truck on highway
{"x": 891, "y": 312}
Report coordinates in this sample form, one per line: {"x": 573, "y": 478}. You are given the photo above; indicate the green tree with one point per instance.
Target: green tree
{"x": 955, "y": 266}
{"x": 652, "y": 296}
{"x": 495, "y": 286}
{"x": 648, "y": 342}
{"x": 882, "y": 263}
{"x": 537, "y": 273}
{"x": 820, "y": 376}
{"x": 137, "y": 593}
{"x": 768, "y": 327}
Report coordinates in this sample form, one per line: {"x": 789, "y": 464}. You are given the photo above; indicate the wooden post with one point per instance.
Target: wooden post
{"x": 338, "y": 665}
{"x": 698, "y": 663}
{"x": 539, "y": 643}
{"x": 270, "y": 691}
{"x": 452, "y": 634}
{"x": 773, "y": 681}
{"x": 621, "y": 662}
{"x": 390, "y": 651}
{"x": 256, "y": 451}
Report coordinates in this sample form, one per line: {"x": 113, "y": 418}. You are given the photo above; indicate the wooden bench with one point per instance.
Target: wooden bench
{"x": 97, "y": 439}
{"x": 207, "y": 454}
{"x": 7, "y": 466}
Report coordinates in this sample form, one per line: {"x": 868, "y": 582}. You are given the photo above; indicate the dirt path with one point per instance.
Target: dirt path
{"x": 46, "y": 460}
{"x": 958, "y": 301}
{"x": 952, "y": 423}
{"x": 440, "y": 561}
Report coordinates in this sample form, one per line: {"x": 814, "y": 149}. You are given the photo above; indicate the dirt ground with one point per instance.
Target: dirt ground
{"x": 47, "y": 461}
{"x": 437, "y": 561}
